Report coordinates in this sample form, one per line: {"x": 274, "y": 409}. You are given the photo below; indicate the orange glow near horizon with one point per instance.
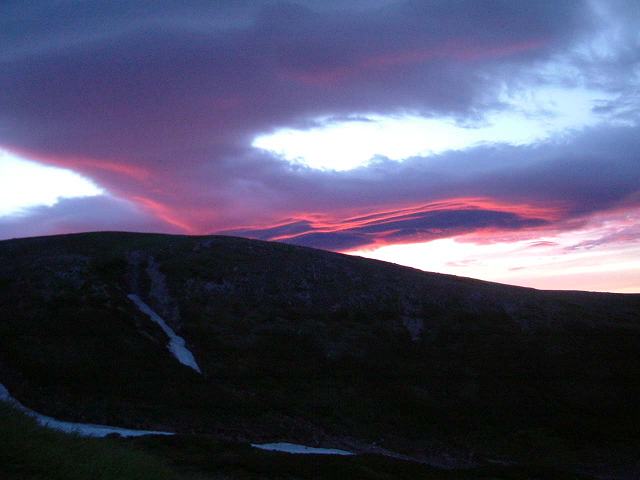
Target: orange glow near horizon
{"x": 600, "y": 252}
{"x": 602, "y": 255}
{"x": 164, "y": 213}
{"x": 331, "y": 224}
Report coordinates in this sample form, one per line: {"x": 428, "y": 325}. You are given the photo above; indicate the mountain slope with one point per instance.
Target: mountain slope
{"x": 296, "y": 344}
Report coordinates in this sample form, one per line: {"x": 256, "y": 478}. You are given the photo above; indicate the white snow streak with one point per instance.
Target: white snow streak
{"x": 177, "y": 345}
{"x": 93, "y": 430}
{"x": 294, "y": 448}
{"x": 82, "y": 429}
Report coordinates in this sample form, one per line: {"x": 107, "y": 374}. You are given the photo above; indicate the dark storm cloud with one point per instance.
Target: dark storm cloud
{"x": 158, "y": 102}
{"x": 163, "y": 83}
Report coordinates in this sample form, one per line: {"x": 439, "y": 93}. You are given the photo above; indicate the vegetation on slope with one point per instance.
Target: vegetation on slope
{"x": 31, "y": 452}
{"x": 314, "y": 347}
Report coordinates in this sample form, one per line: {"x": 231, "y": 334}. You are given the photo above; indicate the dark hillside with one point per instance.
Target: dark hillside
{"x": 304, "y": 345}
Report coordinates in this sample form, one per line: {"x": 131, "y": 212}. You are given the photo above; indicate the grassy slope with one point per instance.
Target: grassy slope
{"x": 210, "y": 456}
{"x": 30, "y": 452}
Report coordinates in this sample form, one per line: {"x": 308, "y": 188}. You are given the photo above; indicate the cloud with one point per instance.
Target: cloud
{"x": 159, "y": 106}
{"x": 427, "y": 222}
{"x": 71, "y": 215}
{"x": 500, "y": 187}
{"x": 161, "y": 82}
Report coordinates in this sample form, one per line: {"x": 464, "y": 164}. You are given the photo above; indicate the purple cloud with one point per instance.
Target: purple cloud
{"x": 159, "y": 105}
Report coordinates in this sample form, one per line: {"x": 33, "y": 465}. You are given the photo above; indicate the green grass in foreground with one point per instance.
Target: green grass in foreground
{"x": 30, "y": 452}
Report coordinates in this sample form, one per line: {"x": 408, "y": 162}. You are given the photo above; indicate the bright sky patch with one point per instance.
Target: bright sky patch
{"x": 25, "y": 184}
{"x": 602, "y": 255}
{"x": 530, "y": 116}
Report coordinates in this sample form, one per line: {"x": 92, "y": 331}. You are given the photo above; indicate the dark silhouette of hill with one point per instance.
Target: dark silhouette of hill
{"x": 319, "y": 348}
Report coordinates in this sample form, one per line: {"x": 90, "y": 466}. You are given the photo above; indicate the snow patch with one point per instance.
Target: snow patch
{"x": 294, "y": 448}
{"x": 177, "y": 345}
{"x": 82, "y": 429}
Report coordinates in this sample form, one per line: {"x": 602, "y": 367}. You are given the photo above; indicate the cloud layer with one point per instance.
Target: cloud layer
{"x": 159, "y": 106}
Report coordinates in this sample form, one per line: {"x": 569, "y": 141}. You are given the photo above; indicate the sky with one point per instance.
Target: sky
{"x": 496, "y": 139}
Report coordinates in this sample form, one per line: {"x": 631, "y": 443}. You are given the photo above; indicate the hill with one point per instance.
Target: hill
{"x": 306, "y": 346}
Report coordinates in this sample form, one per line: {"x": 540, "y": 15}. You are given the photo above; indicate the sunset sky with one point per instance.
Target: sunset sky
{"x": 490, "y": 139}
